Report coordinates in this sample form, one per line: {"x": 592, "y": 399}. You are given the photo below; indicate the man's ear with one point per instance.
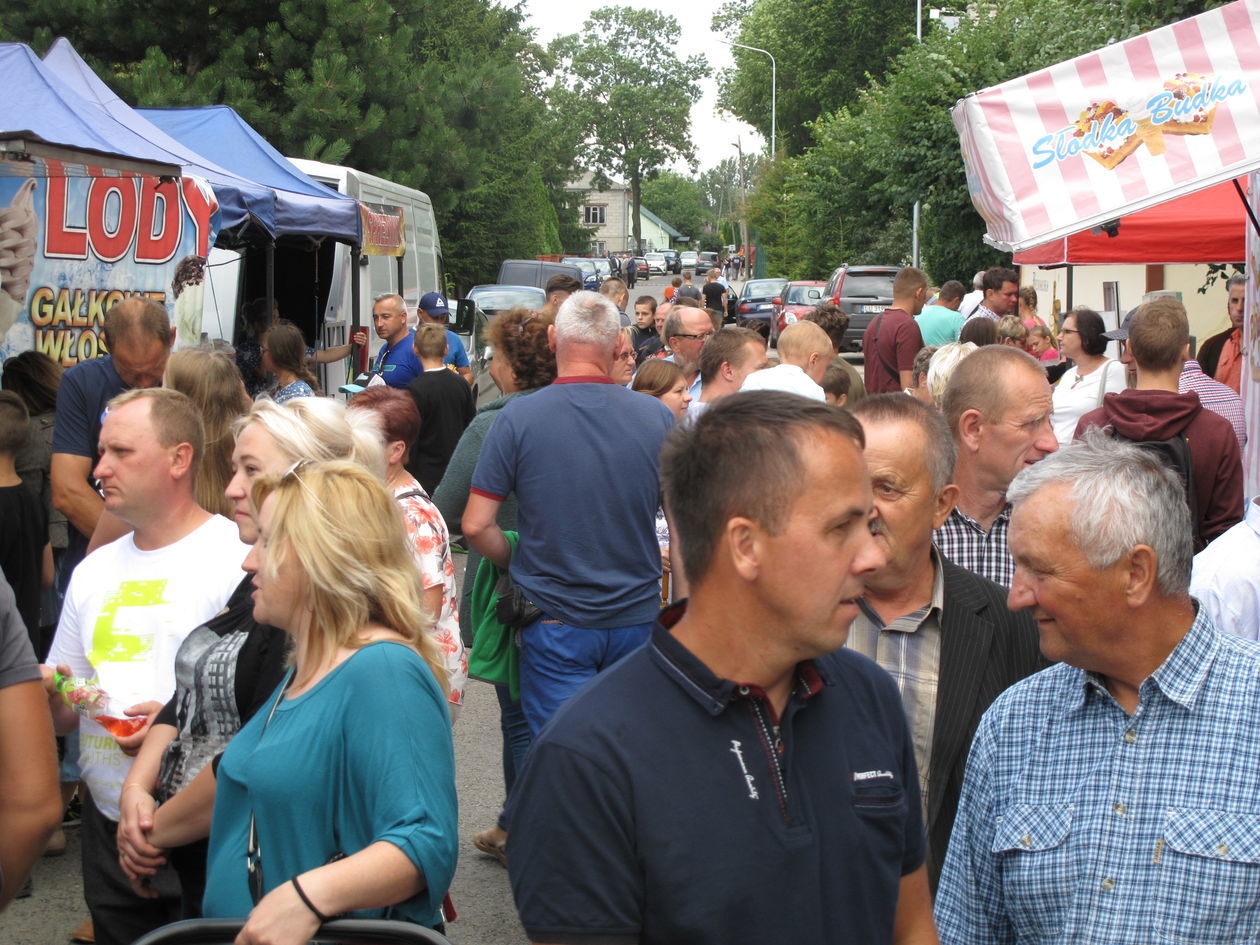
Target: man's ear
{"x": 970, "y": 425}
{"x": 181, "y": 460}
{"x": 946, "y": 499}
{"x": 551, "y": 337}
{"x": 741, "y": 540}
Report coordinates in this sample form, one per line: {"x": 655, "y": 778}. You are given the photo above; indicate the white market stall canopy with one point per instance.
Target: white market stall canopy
{"x": 1117, "y": 130}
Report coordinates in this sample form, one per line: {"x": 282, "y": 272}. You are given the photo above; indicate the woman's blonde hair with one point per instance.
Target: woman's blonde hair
{"x": 342, "y": 527}
{"x": 212, "y": 383}
{"x": 319, "y": 428}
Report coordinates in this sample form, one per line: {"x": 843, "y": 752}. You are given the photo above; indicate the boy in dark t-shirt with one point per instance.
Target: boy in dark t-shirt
{"x": 23, "y": 524}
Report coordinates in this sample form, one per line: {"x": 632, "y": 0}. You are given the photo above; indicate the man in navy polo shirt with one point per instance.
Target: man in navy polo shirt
{"x": 433, "y": 309}
{"x": 740, "y": 778}
{"x": 581, "y": 457}
{"x": 396, "y": 361}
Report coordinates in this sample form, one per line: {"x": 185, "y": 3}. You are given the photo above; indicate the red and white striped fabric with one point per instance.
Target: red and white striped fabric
{"x": 1116, "y": 130}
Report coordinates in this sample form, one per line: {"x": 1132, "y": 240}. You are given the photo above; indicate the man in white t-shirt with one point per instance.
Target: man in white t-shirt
{"x": 128, "y": 607}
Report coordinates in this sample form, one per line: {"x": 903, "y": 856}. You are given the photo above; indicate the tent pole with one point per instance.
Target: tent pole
{"x": 1246, "y": 206}
{"x": 355, "y": 255}
{"x": 271, "y": 281}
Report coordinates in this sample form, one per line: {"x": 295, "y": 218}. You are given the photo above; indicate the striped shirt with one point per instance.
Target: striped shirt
{"x": 1080, "y": 823}
{"x": 1217, "y": 397}
{"x": 961, "y": 539}
{"x": 909, "y": 648}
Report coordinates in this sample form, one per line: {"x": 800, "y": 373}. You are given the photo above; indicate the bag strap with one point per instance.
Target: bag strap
{"x": 1102, "y": 382}
{"x": 252, "y": 851}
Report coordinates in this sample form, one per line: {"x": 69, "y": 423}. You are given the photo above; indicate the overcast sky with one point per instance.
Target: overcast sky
{"x": 714, "y": 133}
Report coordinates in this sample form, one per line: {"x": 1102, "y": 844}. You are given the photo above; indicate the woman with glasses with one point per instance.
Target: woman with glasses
{"x": 340, "y": 797}
{"x": 1091, "y": 376}
{"x": 523, "y": 363}
{"x": 226, "y": 669}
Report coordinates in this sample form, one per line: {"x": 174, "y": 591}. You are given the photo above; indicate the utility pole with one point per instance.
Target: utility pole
{"x": 743, "y": 190}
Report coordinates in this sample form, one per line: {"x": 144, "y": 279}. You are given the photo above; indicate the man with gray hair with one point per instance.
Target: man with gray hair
{"x": 581, "y": 457}
{"x": 1112, "y": 797}
{"x": 942, "y": 633}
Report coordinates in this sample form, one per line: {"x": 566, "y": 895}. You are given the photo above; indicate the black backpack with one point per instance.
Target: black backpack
{"x": 1174, "y": 453}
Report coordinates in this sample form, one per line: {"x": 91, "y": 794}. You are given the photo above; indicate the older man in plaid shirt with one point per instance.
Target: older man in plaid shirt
{"x": 1113, "y": 797}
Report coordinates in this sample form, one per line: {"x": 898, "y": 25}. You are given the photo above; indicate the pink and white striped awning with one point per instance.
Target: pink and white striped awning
{"x": 1119, "y": 129}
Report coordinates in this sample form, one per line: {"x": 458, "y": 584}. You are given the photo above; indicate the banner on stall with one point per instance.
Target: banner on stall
{"x": 76, "y": 240}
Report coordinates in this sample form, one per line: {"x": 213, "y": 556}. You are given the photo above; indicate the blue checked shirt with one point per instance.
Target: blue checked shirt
{"x": 961, "y": 539}
{"x": 1081, "y": 824}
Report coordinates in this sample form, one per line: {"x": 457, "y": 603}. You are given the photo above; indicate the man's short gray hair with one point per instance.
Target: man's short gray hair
{"x": 588, "y": 318}
{"x": 391, "y": 297}
{"x": 1237, "y": 278}
{"x": 1123, "y": 496}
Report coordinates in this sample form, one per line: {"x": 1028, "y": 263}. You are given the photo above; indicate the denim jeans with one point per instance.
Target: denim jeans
{"x": 557, "y": 659}
{"x": 516, "y": 740}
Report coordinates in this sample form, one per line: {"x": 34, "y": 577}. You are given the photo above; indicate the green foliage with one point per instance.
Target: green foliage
{"x": 443, "y": 97}
{"x": 849, "y": 197}
{"x": 625, "y": 96}
{"x": 825, "y": 50}
{"x": 679, "y": 201}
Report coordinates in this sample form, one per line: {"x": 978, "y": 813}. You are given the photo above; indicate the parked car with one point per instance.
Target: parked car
{"x": 688, "y": 259}
{"x": 602, "y": 266}
{"x": 795, "y": 299}
{"x": 590, "y": 274}
{"x": 493, "y": 299}
{"x": 656, "y": 262}
{"x": 706, "y": 261}
{"x": 673, "y": 261}
{"x": 862, "y": 292}
{"x": 534, "y": 272}
{"x": 641, "y": 267}
{"x": 757, "y": 297}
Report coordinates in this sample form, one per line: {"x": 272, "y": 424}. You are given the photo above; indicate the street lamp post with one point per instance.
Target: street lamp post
{"x": 774, "y": 87}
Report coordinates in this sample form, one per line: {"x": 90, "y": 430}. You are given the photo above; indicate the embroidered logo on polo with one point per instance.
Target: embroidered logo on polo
{"x": 872, "y": 775}
{"x": 738, "y": 752}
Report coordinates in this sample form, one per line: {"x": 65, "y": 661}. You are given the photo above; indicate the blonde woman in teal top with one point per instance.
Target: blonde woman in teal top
{"x": 348, "y": 778}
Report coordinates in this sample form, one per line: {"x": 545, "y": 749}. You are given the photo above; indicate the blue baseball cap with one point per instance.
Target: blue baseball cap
{"x": 435, "y": 304}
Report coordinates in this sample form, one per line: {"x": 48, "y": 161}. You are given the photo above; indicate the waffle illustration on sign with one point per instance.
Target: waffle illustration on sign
{"x": 1107, "y": 133}
{"x": 19, "y": 227}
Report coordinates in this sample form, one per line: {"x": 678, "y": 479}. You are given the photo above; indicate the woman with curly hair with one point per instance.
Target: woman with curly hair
{"x": 523, "y": 363}
{"x": 284, "y": 355}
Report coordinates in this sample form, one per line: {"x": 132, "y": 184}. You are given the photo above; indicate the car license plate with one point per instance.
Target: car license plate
{"x": 872, "y": 309}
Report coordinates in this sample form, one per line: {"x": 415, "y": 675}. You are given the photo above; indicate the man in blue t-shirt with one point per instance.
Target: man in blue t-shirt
{"x": 396, "y": 361}
{"x": 139, "y": 336}
{"x": 433, "y": 309}
{"x": 581, "y": 457}
{"x": 741, "y": 778}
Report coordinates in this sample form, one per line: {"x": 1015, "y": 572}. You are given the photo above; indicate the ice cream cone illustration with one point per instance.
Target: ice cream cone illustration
{"x": 18, "y": 230}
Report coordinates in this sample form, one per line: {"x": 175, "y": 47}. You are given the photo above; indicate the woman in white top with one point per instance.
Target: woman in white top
{"x": 1092, "y": 374}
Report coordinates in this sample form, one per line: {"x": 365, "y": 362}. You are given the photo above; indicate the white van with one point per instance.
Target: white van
{"x": 313, "y": 284}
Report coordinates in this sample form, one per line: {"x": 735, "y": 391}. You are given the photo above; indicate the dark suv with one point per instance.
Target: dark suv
{"x": 862, "y": 292}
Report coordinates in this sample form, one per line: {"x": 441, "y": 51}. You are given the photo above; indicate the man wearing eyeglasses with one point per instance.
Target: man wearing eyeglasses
{"x": 686, "y": 331}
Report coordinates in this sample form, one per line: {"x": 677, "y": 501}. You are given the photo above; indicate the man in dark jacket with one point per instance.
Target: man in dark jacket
{"x": 944, "y": 634}
{"x": 1159, "y": 343}
{"x": 1221, "y": 355}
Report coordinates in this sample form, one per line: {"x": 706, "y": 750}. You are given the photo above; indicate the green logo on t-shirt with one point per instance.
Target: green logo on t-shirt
{"x": 115, "y": 644}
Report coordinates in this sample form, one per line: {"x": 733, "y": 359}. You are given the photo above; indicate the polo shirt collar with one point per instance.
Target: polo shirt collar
{"x": 713, "y": 692}
{"x": 584, "y": 379}
{"x": 1252, "y": 515}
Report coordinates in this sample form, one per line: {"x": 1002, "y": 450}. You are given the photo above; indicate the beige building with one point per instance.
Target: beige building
{"x": 611, "y": 212}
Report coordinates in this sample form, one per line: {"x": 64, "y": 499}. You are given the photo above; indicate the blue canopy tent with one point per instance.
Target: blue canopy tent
{"x": 42, "y": 118}
{"x": 247, "y": 209}
{"x": 303, "y": 207}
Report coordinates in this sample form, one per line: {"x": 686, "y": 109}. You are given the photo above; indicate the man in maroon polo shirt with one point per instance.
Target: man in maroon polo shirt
{"x": 892, "y": 339}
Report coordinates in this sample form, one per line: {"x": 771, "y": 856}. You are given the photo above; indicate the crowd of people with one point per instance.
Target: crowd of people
{"x": 959, "y": 650}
